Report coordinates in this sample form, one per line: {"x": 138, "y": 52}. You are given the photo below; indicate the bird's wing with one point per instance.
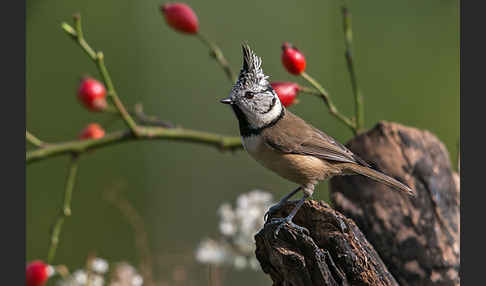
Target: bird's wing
{"x": 293, "y": 135}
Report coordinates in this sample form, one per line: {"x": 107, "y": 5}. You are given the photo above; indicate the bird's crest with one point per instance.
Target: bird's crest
{"x": 251, "y": 74}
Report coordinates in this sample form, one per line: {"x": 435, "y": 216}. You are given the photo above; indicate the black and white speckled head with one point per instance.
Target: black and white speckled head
{"x": 252, "y": 97}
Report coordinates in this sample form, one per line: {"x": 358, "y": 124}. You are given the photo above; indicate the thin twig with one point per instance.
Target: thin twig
{"x": 88, "y": 268}
{"x": 66, "y": 208}
{"x": 327, "y": 100}
{"x": 309, "y": 90}
{"x": 141, "y": 117}
{"x": 217, "y": 54}
{"x": 33, "y": 140}
{"x": 150, "y": 120}
{"x": 76, "y": 34}
{"x": 138, "y": 226}
{"x": 348, "y": 45}
{"x": 146, "y": 133}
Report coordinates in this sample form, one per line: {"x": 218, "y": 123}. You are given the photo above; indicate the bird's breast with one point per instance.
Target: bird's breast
{"x": 252, "y": 144}
{"x": 297, "y": 168}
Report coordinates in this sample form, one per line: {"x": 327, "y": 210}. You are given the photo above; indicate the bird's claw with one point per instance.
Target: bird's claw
{"x": 273, "y": 209}
{"x": 282, "y": 221}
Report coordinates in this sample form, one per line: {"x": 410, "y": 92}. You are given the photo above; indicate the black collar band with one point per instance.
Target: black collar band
{"x": 246, "y": 130}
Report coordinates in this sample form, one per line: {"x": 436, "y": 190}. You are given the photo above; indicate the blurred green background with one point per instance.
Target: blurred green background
{"x": 407, "y": 57}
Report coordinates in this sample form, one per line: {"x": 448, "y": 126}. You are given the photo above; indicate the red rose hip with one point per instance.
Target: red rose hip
{"x": 180, "y": 17}
{"x": 286, "y": 91}
{"x": 92, "y": 131}
{"x": 92, "y": 94}
{"x": 292, "y": 59}
{"x": 36, "y": 273}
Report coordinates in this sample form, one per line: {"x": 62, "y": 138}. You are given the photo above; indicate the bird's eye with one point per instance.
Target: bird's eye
{"x": 249, "y": 95}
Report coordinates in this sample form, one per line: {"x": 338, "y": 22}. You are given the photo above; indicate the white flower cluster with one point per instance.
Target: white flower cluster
{"x": 80, "y": 277}
{"x": 123, "y": 274}
{"x": 237, "y": 227}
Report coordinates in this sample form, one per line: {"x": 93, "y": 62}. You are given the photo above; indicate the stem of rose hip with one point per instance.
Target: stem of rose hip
{"x": 327, "y": 100}
{"x": 309, "y": 90}
{"x": 113, "y": 95}
{"x": 217, "y": 54}
{"x": 77, "y": 34}
{"x": 66, "y": 208}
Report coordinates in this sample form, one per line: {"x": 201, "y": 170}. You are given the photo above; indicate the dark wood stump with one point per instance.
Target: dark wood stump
{"x": 334, "y": 253}
{"x": 417, "y": 238}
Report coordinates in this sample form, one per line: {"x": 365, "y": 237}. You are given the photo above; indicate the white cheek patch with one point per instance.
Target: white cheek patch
{"x": 273, "y": 113}
{"x": 258, "y": 120}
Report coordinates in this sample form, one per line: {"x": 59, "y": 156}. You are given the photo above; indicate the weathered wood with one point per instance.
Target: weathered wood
{"x": 417, "y": 238}
{"x": 334, "y": 253}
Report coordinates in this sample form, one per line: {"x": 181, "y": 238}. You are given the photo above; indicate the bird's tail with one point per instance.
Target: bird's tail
{"x": 378, "y": 176}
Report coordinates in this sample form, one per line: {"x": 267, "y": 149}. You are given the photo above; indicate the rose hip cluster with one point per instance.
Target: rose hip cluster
{"x": 294, "y": 62}
{"x": 92, "y": 95}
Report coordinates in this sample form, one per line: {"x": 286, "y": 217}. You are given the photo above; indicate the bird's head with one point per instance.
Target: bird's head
{"x": 252, "y": 96}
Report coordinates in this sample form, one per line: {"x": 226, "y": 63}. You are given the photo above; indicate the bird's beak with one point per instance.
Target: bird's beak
{"x": 227, "y": 100}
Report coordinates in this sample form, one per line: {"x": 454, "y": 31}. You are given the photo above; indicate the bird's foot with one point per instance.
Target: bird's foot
{"x": 274, "y": 209}
{"x": 282, "y": 221}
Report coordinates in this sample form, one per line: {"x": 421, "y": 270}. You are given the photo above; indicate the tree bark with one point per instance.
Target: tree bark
{"x": 334, "y": 253}
{"x": 417, "y": 238}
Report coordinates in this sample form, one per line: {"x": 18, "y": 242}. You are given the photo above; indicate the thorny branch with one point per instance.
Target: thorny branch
{"x": 145, "y": 133}
{"x": 159, "y": 130}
